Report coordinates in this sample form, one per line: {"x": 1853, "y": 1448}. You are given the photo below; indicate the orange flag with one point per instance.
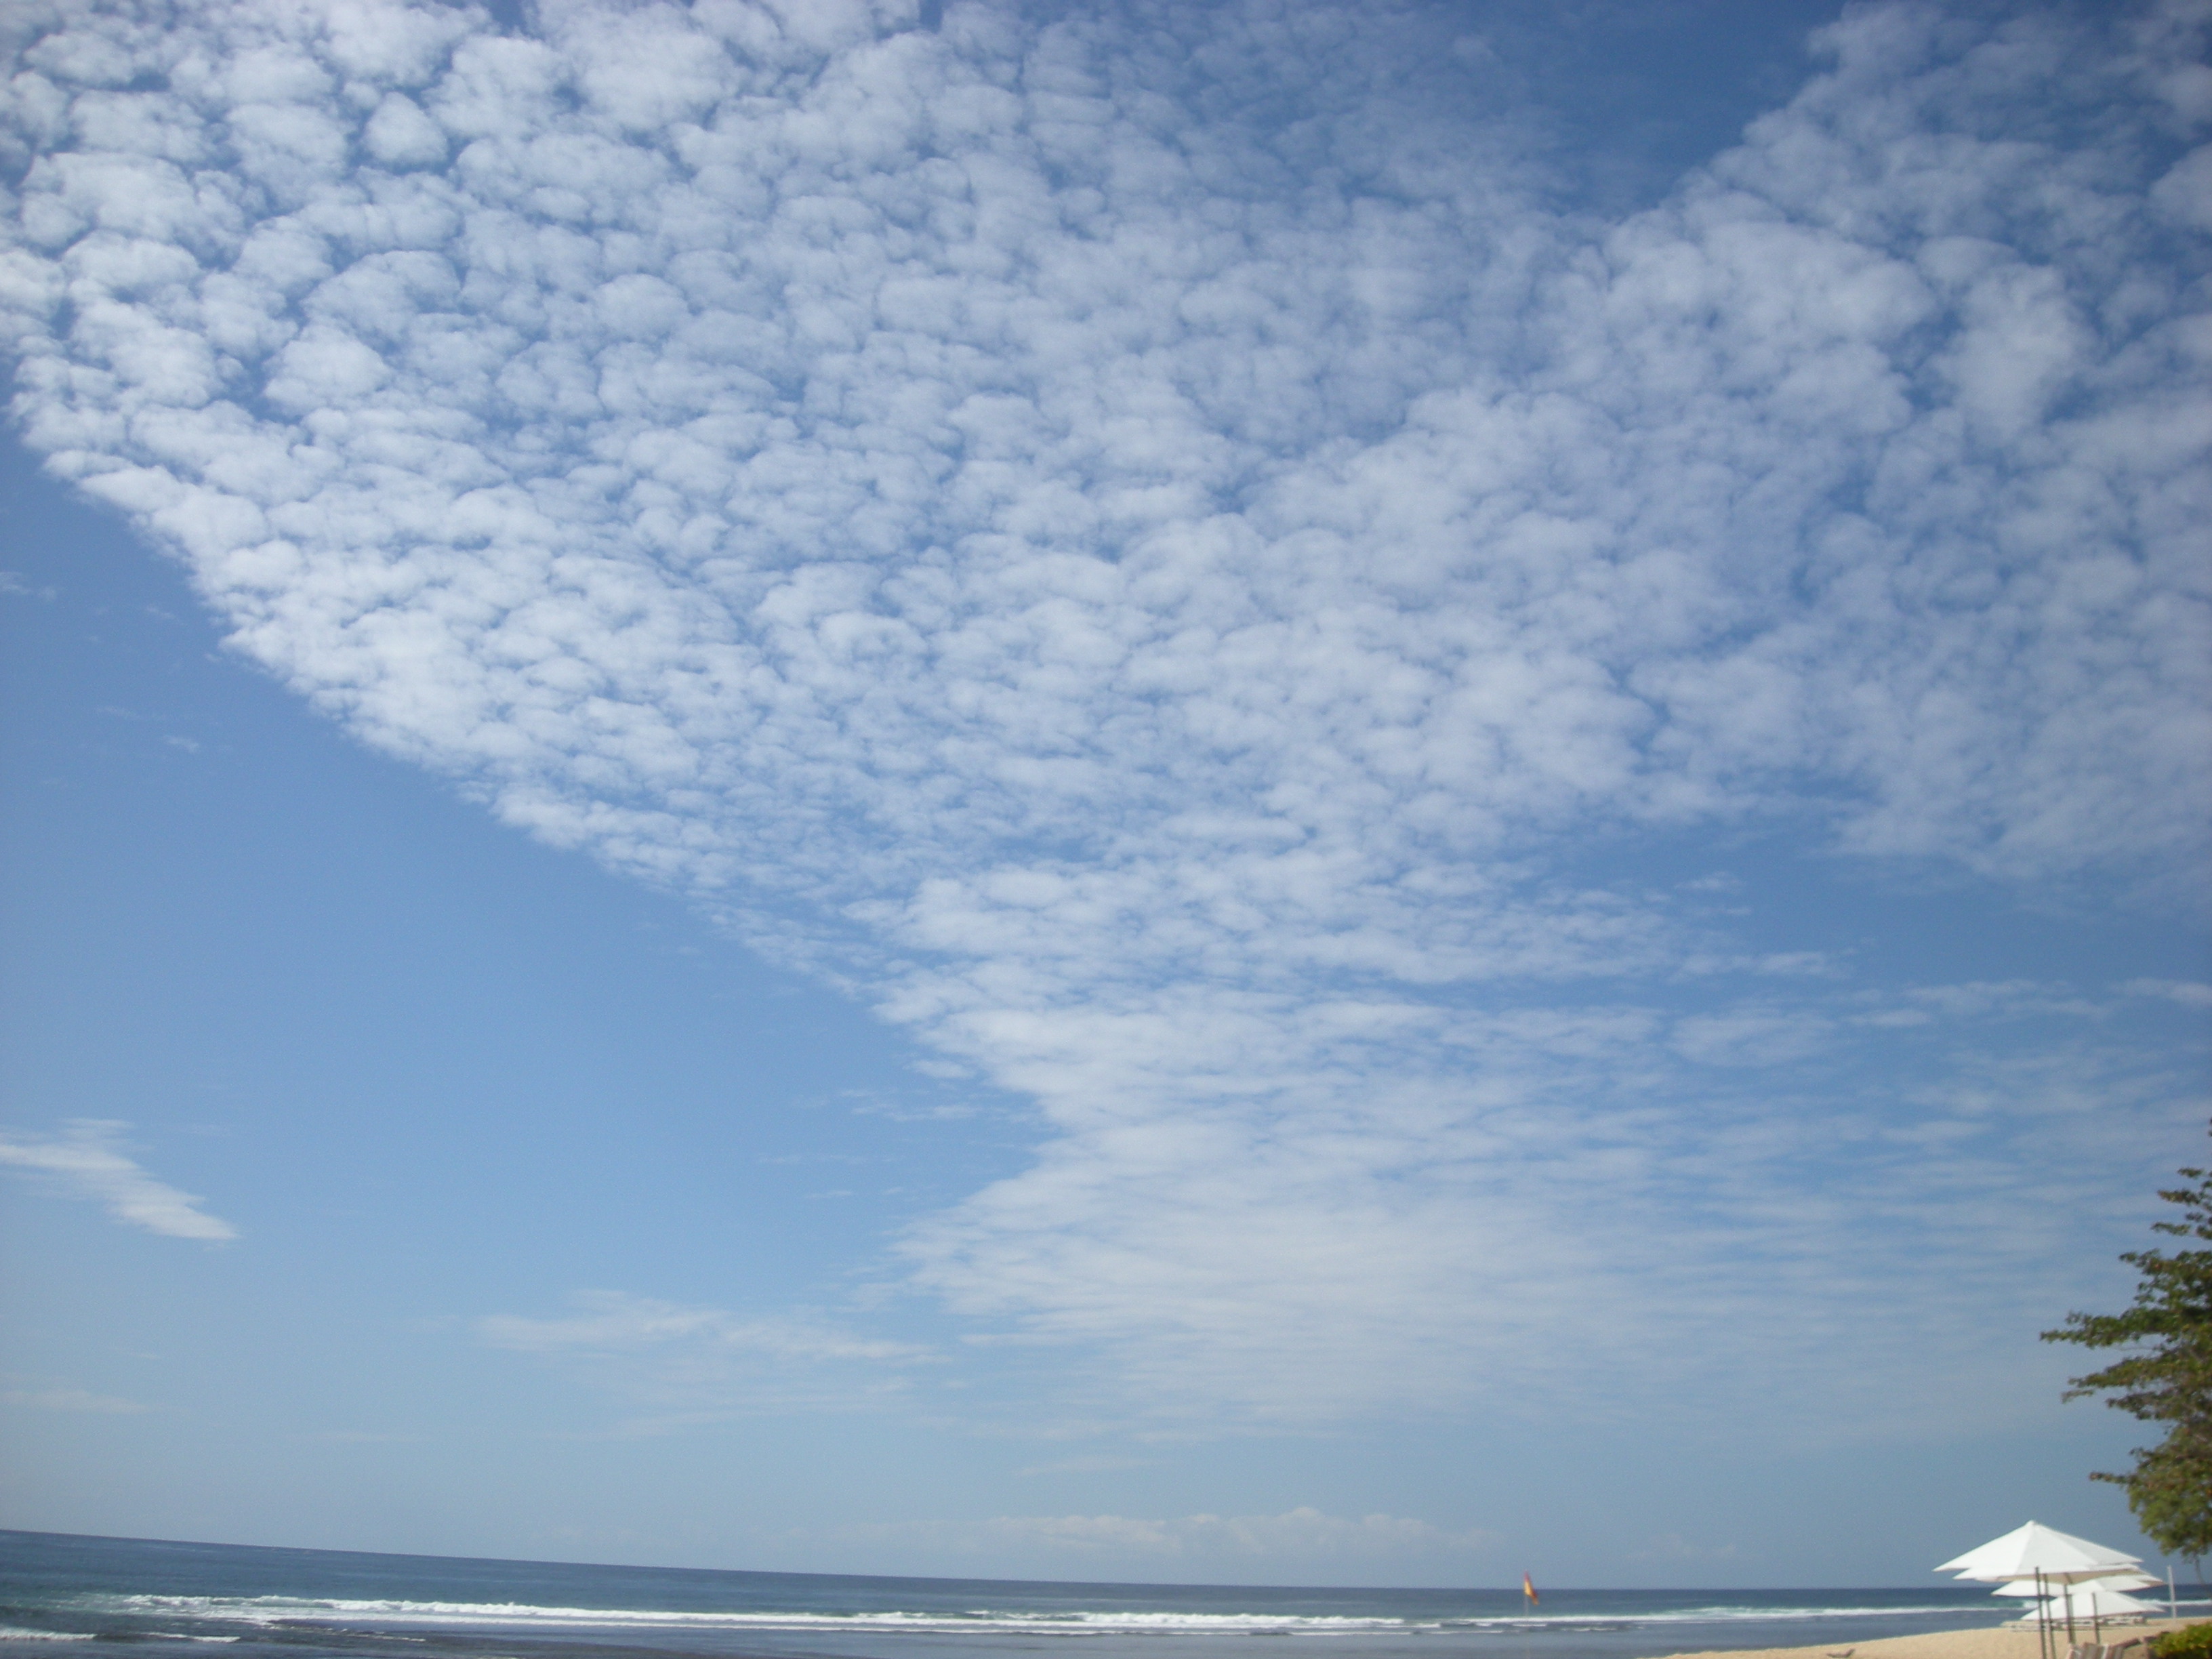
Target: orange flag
{"x": 1529, "y": 1590}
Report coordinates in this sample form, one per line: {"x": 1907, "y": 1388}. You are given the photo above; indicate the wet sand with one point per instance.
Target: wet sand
{"x": 1996, "y": 1643}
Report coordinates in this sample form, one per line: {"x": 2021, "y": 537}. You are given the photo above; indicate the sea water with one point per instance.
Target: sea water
{"x": 99, "y": 1595}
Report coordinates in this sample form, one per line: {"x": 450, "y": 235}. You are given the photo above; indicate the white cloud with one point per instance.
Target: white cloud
{"x": 70, "y": 1399}
{"x": 1303, "y": 1534}
{"x": 611, "y": 1321}
{"x": 705, "y": 1364}
{"x": 1672, "y": 1547}
{"x": 1154, "y": 584}
{"x": 88, "y": 1163}
{"x": 2189, "y": 994}
{"x": 1094, "y": 1465}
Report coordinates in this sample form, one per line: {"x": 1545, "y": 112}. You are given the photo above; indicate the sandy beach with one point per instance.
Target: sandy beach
{"x": 1994, "y": 1643}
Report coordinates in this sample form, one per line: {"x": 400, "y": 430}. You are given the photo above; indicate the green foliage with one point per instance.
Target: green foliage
{"x": 2191, "y": 1642}
{"x": 2166, "y": 1377}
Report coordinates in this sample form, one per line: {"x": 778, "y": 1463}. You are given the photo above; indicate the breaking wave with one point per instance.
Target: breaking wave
{"x": 273, "y": 1610}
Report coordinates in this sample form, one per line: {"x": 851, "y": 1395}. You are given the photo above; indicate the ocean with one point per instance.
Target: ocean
{"x": 100, "y": 1594}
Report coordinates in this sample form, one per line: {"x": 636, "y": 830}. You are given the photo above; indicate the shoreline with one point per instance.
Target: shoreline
{"x": 1991, "y": 1642}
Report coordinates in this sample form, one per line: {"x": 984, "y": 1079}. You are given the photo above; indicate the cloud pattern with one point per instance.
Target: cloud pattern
{"x": 1300, "y": 1534}
{"x": 1155, "y": 548}
{"x": 88, "y": 1162}
{"x": 686, "y": 1365}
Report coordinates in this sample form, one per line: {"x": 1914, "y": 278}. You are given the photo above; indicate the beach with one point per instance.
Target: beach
{"x": 2000, "y": 1643}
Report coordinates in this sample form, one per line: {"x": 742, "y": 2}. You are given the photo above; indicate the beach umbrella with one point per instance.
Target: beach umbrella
{"x": 2046, "y": 1558}
{"x": 2035, "y": 1549}
{"x": 2092, "y": 1602}
{"x": 2130, "y": 1580}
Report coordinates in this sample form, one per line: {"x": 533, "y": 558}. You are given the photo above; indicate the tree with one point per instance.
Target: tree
{"x": 2166, "y": 1378}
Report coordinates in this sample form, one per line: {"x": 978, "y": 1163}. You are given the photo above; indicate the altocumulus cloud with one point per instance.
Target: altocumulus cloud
{"x": 1143, "y": 543}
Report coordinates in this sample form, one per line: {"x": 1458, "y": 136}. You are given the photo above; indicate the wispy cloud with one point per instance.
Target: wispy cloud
{"x": 694, "y": 1365}
{"x": 89, "y": 1162}
{"x": 1304, "y": 1534}
{"x": 70, "y": 1399}
{"x": 1097, "y": 1465}
{"x": 2189, "y": 994}
{"x": 1672, "y": 1547}
{"x": 1158, "y": 580}
{"x": 611, "y": 1322}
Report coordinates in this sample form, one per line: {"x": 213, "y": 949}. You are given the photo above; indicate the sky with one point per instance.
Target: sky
{"x": 1241, "y": 792}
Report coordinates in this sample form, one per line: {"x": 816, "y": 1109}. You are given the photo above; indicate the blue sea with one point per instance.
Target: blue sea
{"x": 98, "y": 1595}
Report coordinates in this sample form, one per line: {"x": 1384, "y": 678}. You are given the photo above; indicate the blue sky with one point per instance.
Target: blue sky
{"x": 1245, "y": 792}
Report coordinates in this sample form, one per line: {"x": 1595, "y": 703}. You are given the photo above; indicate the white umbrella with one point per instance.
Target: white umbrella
{"x": 2044, "y": 1557}
{"x": 2023, "y": 1553}
{"x": 2092, "y": 1601}
{"x": 2130, "y": 1580}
